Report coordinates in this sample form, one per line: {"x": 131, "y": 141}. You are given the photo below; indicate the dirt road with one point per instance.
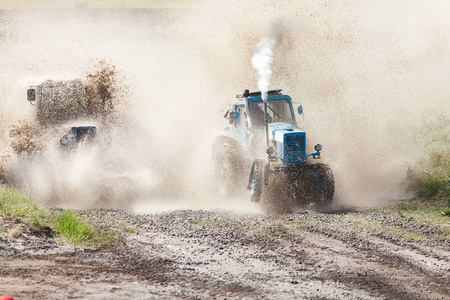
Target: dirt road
{"x": 339, "y": 254}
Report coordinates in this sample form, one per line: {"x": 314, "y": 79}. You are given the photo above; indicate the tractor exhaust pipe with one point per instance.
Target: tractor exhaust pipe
{"x": 266, "y": 123}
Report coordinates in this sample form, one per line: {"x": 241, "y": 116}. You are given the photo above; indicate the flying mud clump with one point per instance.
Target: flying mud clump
{"x": 106, "y": 93}
{"x": 60, "y": 101}
{"x": 98, "y": 98}
{"x": 26, "y": 138}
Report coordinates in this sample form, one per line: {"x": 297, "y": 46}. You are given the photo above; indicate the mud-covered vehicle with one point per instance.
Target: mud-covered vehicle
{"x": 62, "y": 101}
{"x": 265, "y": 152}
{"x": 83, "y": 135}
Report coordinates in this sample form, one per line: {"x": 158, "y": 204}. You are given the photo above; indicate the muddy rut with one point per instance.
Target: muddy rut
{"x": 339, "y": 254}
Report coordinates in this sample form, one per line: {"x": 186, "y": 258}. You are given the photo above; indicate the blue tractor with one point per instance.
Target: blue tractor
{"x": 265, "y": 142}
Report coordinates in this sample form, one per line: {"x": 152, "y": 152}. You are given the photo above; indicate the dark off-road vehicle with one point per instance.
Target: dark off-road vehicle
{"x": 82, "y": 135}
{"x": 62, "y": 101}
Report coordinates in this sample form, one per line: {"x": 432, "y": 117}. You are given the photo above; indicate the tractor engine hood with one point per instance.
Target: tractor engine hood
{"x": 290, "y": 143}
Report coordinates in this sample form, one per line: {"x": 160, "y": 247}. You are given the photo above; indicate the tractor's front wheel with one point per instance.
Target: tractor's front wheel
{"x": 325, "y": 186}
{"x": 317, "y": 189}
{"x": 256, "y": 180}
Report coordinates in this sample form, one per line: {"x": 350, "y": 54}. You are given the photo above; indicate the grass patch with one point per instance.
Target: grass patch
{"x": 426, "y": 212}
{"x": 446, "y": 212}
{"x": 21, "y": 205}
{"x": 365, "y": 222}
{"x": 413, "y": 236}
{"x": 73, "y": 229}
{"x": 430, "y": 185}
{"x": 64, "y": 224}
{"x": 431, "y": 177}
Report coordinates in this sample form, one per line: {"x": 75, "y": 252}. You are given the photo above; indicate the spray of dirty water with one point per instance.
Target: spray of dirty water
{"x": 366, "y": 74}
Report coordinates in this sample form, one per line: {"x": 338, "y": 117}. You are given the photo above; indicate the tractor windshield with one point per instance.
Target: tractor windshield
{"x": 278, "y": 110}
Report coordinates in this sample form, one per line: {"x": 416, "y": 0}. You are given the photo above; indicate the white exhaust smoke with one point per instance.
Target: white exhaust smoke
{"x": 261, "y": 61}
{"x": 263, "y": 57}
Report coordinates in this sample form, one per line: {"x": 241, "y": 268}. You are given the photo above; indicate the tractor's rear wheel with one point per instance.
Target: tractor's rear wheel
{"x": 229, "y": 171}
{"x": 224, "y": 177}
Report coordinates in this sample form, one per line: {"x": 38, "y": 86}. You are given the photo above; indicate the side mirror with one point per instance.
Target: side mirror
{"x": 31, "y": 95}
{"x": 300, "y": 110}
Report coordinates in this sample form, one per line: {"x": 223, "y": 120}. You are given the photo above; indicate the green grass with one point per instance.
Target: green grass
{"x": 426, "y": 212}
{"x": 73, "y": 229}
{"x": 21, "y": 205}
{"x": 430, "y": 185}
{"x": 433, "y": 180}
{"x": 413, "y": 236}
{"x": 65, "y": 225}
{"x": 431, "y": 177}
{"x": 446, "y": 210}
{"x": 423, "y": 209}
{"x": 365, "y": 222}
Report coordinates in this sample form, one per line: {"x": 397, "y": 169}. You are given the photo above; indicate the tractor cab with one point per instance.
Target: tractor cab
{"x": 257, "y": 124}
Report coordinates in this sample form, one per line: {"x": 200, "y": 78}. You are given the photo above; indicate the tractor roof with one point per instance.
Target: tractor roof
{"x": 247, "y": 93}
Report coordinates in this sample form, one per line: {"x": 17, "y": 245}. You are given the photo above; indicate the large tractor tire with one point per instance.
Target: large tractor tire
{"x": 278, "y": 197}
{"x": 229, "y": 167}
{"x": 325, "y": 188}
{"x": 315, "y": 190}
{"x": 256, "y": 180}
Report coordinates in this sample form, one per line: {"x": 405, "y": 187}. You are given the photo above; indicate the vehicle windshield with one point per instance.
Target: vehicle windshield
{"x": 278, "y": 110}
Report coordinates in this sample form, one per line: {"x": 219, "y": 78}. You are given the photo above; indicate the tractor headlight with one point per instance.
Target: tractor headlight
{"x": 270, "y": 151}
{"x": 318, "y": 147}
{"x": 64, "y": 141}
